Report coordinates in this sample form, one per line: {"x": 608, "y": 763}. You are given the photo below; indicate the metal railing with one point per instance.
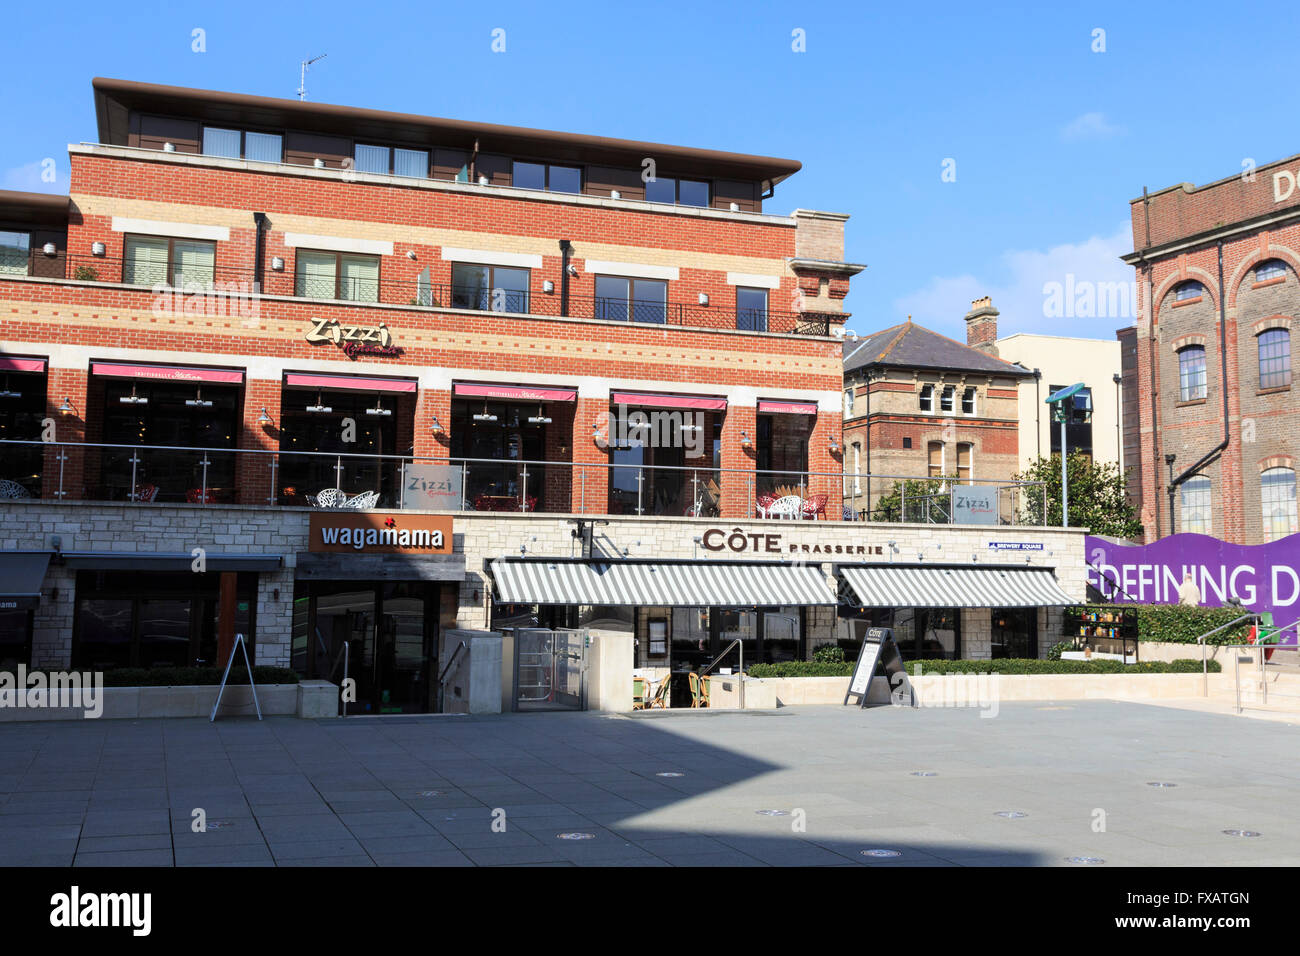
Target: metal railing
{"x": 164, "y": 474}
{"x": 206, "y": 280}
{"x": 740, "y": 668}
{"x": 1263, "y": 650}
{"x": 442, "y": 678}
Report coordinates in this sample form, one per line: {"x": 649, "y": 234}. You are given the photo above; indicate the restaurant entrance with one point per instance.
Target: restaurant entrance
{"x": 390, "y": 630}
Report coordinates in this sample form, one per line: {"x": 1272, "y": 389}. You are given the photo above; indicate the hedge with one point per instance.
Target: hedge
{"x": 185, "y": 676}
{"x": 1010, "y": 665}
{"x": 1179, "y": 624}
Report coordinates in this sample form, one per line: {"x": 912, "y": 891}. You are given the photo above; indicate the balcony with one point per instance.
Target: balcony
{"x": 159, "y": 475}
{"x": 203, "y": 280}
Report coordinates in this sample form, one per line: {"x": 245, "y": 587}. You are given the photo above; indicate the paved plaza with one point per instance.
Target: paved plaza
{"x": 658, "y": 789}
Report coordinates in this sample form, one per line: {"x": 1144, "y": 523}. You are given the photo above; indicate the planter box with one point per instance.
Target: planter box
{"x": 307, "y": 699}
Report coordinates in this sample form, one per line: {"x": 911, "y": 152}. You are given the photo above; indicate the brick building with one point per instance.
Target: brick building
{"x": 284, "y": 365}
{"x": 1210, "y": 356}
{"x": 919, "y": 404}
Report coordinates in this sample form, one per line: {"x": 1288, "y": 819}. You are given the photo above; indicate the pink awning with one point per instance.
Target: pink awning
{"x": 168, "y": 373}
{"x": 354, "y": 382}
{"x": 766, "y": 407}
{"x": 648, "y": 400}
{"x": 10, "y": 364}
{"x": 515, "y": 393}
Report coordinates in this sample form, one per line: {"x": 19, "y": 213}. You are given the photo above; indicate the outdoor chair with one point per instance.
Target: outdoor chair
{"x": 367, "y": 499}
{"x": 660, "y": 698}
{"x": 791, "y": 506}
{"x": 330, "y": 498}
{"x": 11, "y": 489}
{"x": 814, "y": 506}
{"x": 146, "y": 493}
{"x": 638, "y": 693}
{"x": 197, "y": 496}
{"x": 764, "y": 503}
{"x": 704, "y": 691}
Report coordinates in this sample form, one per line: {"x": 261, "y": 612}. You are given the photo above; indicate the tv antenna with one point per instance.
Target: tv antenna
{"x": 302, "y": 81}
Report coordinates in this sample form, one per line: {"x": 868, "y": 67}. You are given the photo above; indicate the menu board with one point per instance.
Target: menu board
{"x": 879, "y": 652}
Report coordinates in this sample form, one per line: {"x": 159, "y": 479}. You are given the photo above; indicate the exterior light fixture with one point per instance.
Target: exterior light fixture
{"x": 277, "y": 264}
{"x": 704, "y": 298}
{"x": 97, "y": 249}
{"x": 318, "y": 163}
{"x": 745, "y": 441}
{"x": 482, "y": 180}
{"x": 485, "y": 415}
{"x": 198, "y": 401}
{"x": 264, "y": 419}
{"x": 169, "y": 147}
{"x": 319, "y": 407}
{"x": 133, "y": 398}
{"x": 834, "y": 446}
{"x": 540, "y": 418}
{"x": 66, "y": 408}
{"x": 50, "y": 249}
{"x": 548, "y": 286}
{"x": 436, "y": 426}
{"x": 597, "y": 437}
{"x": 410, "y": 253}
{"x": 615, "y": 194}
{"x": 379, "y": 409}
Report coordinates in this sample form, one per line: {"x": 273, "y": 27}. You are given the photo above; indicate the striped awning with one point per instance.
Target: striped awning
{"x": 658, "y": 583}
{"x": 895, "y": 585}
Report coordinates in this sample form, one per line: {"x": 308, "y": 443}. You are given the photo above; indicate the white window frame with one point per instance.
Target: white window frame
{"x": 926, "y": 395}
{"x": 974, "y": 401}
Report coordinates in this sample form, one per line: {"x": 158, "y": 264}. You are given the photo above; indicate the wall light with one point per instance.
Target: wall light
{"x": 704, "y": 298}
{"x": 277, "y": 264}
{"x": 318, "y": 163}
{"x": 264, "y": 419}
{"x": 597, "y": 437}
{"x": 66, "y": 408}
{"x": 436, "y": 426}
{"x": 410, "y": 253}
{"x": 745, "y": 441}
{"x": 548, "y": 286}
{"x": 735, "y": 207}
{"x": 50, "y": 249}
{"x": 97, "y": 249}
{"x": 615, "y": 194}
{"x": 834, "y": 446}
{"x": 169, "y": 147}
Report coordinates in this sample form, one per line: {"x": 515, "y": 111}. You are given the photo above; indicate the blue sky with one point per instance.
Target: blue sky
{"x": 1050, "y": 139}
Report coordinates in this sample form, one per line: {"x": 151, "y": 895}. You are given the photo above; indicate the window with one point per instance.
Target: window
{"x": 1277, "y": 493}
{"x": 14, "y": 249}
{"x": 848, "y": 402}
{"x": 1270, "y": 269}
{"x": 751, "y": 309}
{"x": 1196, "y": 505}
{"x": 946, "y": 398}
{"x": 927, "y": 398}
{"x": 968, "y": 401}
{"x": 1191, "y": 373}
{"x": 644, "y": 300}
{"x": 935, "y": 452}
{"x": 411, "y": 162}
{"x": 857, "y": 468}
{"x": 965, "y": 452}
{"x": 263, "y": 147}
{"x": 336, "y": 275}
{"x": 489, "y": 288}
{"x": 907, "y": 442}
{"x": 685, "y": 192}
{"x": 556, "y": 179}
{"x": 370, "y": 159}
{"x": 221, "y": 142}
{"x": 1188, "y": 290}
{"x": 1274, "y": 358}
{"x": 182, "y": 263}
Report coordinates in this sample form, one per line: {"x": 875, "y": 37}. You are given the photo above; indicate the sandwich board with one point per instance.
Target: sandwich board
{"x": 880, "y": 654}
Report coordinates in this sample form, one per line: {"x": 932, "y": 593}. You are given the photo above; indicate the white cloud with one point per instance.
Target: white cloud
{"x": 1080, "y": 289}
{"x": 1089, "y": 126}
{"x": 32, "y": 177}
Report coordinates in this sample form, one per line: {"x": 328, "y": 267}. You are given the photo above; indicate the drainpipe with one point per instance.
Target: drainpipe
{"x": 1038, "y": 411}
{"x": 1223, "y": 373}
{"x": 259, "y": 250}
{"x": 566, "y": 251}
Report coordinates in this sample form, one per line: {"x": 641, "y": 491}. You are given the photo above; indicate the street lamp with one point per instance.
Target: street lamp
{"x": 1065, "y": 412}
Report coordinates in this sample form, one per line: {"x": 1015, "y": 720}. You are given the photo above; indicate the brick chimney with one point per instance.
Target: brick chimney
{"x": 982, "y": 326}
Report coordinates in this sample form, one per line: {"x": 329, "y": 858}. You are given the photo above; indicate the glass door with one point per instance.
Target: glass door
{"x": 347, "y": 617}
{"x": 404, "y": 666}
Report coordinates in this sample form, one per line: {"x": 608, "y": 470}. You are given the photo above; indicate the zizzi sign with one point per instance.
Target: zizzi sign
{"x": 354, "y": 340}
{"x": 367, "y": 533}
{"x": 1263, "y": 577}
{"x": 739, "y": 541}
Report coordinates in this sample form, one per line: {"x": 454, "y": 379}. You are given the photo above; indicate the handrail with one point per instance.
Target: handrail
{"x": 442, "y": 678}
{"x": 1205, "y": 663}
{"x": 740, "y": 667}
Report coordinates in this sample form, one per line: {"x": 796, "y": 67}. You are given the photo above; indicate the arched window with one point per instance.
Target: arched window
{"x": 1188, "y": 290}
{"x": 1196, "y": 505}
{"x": 1277, "y": 494}
{"x": 1275, "y": 358}
{"x": 1191, "y": 373}
{"x": 1270, "y": 269}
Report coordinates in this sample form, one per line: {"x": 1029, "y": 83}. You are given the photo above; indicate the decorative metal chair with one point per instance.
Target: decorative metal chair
{"x": 814, "y": 506}
{"x": 197, "y": 496}
{"x": 791, "y": 506}
{"x": 331, "y": 498}
{"x": 11, "y": 489}
{"x": 146, "y": 493}
{"x": 367, "y": 499}
{"x": 764, "y": 504}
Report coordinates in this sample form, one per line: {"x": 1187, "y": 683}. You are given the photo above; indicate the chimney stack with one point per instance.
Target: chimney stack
{"x": 982, "y": 326}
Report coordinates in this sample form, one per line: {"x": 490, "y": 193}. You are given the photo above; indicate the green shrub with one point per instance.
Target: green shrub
{"x": 1009, "y": 665}
{"x": 829, "y": 654}
{"x": 1178, "y": 624}
{"x": 1054, "y": 652}
{"x": 184, "y": 676}
{"x": 85, "y": 274}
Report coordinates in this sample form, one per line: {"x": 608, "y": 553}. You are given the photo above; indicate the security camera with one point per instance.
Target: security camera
{"x": 573, "y": 270}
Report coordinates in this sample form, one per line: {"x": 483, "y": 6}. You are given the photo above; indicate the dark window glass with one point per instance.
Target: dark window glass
{"x": 529, "y": 176}
{"x": 945, "y": 398}
{"x": 1188, "y": 290}
{"x": 927, "y": 398}
{"x": 661, "y": 190}
{"x": 1274, "y": 358}
{"x": 565, "y": 179}
{"x": 691, "y": 193}
{"x": 104, "y": 636}
{"x": 1272, "y": 269}
{"x": 751, "y": 309}
{"x": 489, "y": 288}
{"x": 612, "y": 297}
{"x": 649, "y": 300}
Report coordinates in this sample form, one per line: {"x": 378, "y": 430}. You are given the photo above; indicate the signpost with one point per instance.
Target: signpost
{"x": 879, "y": 652}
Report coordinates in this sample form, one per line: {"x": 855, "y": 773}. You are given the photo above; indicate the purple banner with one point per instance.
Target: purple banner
{"x": 1264, "y": 577}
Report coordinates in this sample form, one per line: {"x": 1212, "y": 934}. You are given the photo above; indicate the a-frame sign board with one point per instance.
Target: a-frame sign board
{"x": 240, "y": 645}
{"x": 879, "y": 656}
